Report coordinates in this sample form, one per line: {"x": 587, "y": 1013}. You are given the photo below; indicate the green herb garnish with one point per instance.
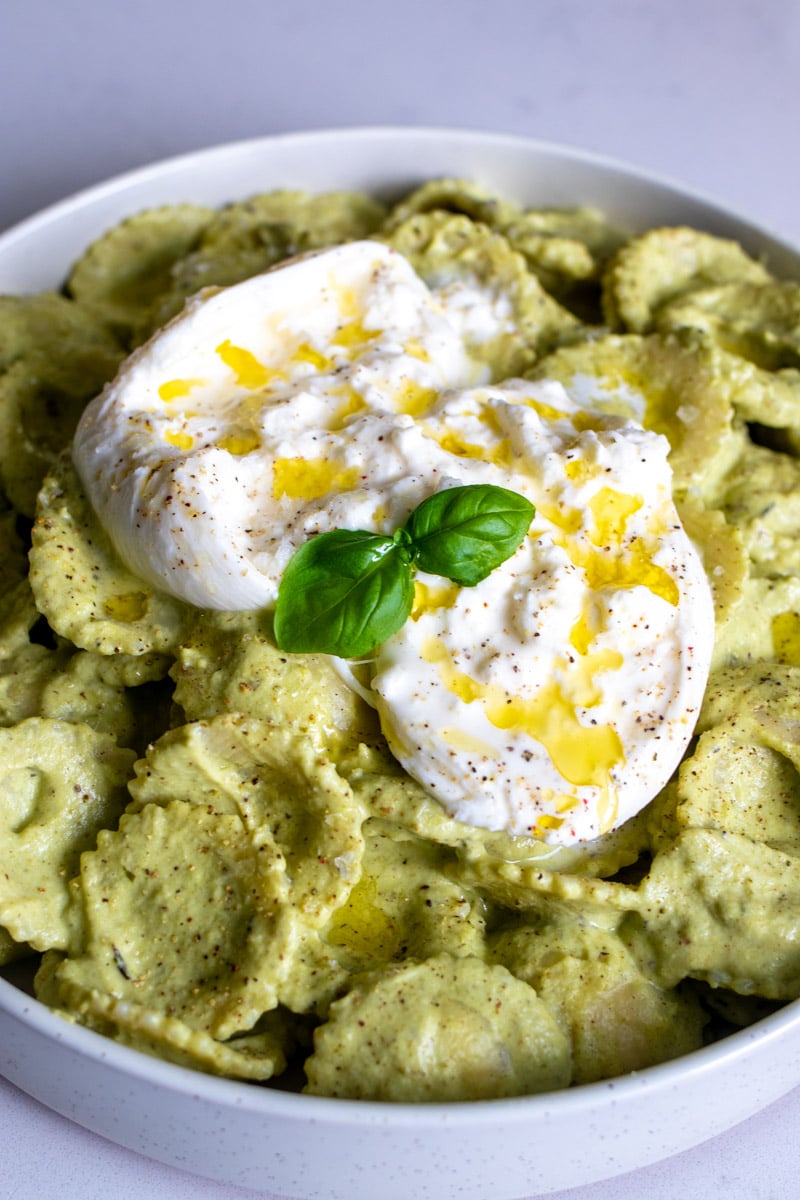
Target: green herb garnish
{"x": 346, "y": 591}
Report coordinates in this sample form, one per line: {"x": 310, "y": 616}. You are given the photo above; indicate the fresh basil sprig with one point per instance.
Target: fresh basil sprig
{"x": 463, "y": 533}
{"x": 346, "y": 591}
{"x": 342, "y": 593}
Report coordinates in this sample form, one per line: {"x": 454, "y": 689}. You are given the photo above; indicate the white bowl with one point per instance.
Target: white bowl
{"x": 313, "y": 1147}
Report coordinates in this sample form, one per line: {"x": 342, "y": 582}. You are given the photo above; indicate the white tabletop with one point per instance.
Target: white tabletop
{"x": 705, "y": 91}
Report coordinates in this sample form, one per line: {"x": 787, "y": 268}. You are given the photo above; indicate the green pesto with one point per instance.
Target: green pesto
{"x": 207, "y": 842}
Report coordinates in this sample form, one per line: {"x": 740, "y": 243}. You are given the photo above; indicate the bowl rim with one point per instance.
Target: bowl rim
{"x": 194, "y": 1084}
{"x": 357, "y": 132}
{"x": 360, "y": 134}
{"x": 271, "y": 1100}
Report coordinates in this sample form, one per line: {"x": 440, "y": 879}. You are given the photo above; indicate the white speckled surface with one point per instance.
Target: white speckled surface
{"x": 704, "y": 91}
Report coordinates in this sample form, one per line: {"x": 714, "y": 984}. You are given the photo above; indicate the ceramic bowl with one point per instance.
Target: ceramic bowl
{"x": 325, "y": 1149}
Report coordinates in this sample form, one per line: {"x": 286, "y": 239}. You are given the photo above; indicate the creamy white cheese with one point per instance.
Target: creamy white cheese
{"x": 265, "y": 413}
{"x": 559, "y": 694}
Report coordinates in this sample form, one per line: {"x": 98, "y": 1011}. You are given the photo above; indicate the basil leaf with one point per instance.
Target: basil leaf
{"x": 342, "y": 593}
{"x": 465, "y": 532}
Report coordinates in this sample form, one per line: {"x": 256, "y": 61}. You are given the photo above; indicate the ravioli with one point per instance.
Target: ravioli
{"x": 213, "y": 851}
{"x": 468, "y": 1028}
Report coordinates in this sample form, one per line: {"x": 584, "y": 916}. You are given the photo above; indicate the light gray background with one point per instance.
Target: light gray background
{"x": 705, "y": 91}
